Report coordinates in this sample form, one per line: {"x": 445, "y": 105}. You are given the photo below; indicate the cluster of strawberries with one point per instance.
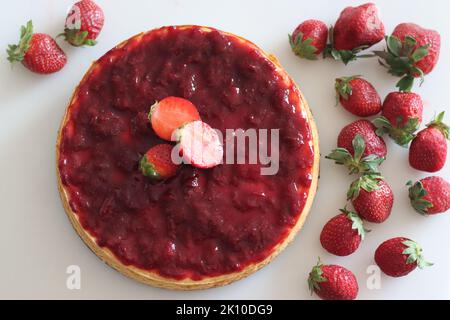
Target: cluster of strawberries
{"x": 411, "y": 52}
{"x": 176, "y": 119}
{"x": 40, "y": 53}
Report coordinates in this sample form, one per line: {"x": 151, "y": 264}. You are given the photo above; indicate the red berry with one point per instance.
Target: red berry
{"x": 356, "y": 29}
{"x": 372, "y": 198}
{"x": 200, "y": 145}
{"x": 412, "y": 51}
{"x": 157, "y": 162}
{"x": 428, "y": 150}
{"x": 399, "y": 256}
{"x": 332, "y": 282}
{"x": 84, "y": 23}
{"x": 430, "y": 195}
{"x": 170, "y": 114}
{"x": 423, "y": 37}
{"x": 342, "y": 234}
{"x": 358, "y": 96}
{"x": 401, "y": 116}
{"x": 374, "y": 144}
{"x": 309, "y": 39}
{"x": 37, "y": 51}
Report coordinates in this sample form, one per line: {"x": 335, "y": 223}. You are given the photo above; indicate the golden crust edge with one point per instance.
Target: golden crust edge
{"x": 152, "y": 278}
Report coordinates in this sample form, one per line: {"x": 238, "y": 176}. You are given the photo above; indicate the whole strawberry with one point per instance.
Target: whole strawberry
{"x": 372, "y": 198}
{"x": 358, "y": 96}
{"x": 342, "y": 234}
{"x": 37, "y": 51}
{"x": 359, "y": 148}
{"x": 428, "y": 150}
{"x": 412, "y": 51}
{"x": 356, "y": 29}
{"x": 309, "y": 39}
{"x": 157, "y": 162}
{"x": 401, "y": 116}
{"x": 332, "y": 282}
{"x": 83, "y": 23}
{"x": 399, "y": 256}
{"x": 430, "y": 195}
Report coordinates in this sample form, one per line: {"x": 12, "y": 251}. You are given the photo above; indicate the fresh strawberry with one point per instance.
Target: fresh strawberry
{"x": 200, "y": 145}
{"x": 359, "y": 148}
{"x": 309, "y": 39}
{"x": 157, "y": 162}
{"x": 342, "y": 234}
{"x": 170, "y": 114}
{"x": 430, "y": 195}
{"x": 371, "y": 197}
{"x": 399, "y": 256}
{"x": 412, "y": 52}
{"x": 83, "y": 23}
{"x": 357, "y": 29}
{"x": 37, "y": 51}
{"x": 358, "y": 96}
{"x": 428, "y": 150}
{"x": 332, "y": 282}
{"x": 401, "y": 116}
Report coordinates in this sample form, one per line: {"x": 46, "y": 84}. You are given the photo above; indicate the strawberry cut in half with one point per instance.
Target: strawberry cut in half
{"x": 157, "y": 162}
{"x": 170, "y": 114}
{"x": 200, "y": 145}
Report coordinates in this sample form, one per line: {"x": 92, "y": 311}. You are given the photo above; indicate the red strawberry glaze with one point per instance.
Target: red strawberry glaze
{"x": 200, "y": 223}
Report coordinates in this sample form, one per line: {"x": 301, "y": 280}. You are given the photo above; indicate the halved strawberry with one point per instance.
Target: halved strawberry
{"x": 170, "y": 114}
{"x": 157, "y": 162}
{"x": 200, "y": 145}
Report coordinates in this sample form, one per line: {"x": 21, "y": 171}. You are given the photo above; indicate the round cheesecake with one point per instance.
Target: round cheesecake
{"x": 203, "y": 227}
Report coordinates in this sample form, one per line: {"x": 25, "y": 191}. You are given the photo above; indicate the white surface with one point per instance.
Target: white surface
{"x": 37, "y": 243}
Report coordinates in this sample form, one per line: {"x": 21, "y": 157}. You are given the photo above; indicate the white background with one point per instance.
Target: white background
{"x": 37, "y": 242}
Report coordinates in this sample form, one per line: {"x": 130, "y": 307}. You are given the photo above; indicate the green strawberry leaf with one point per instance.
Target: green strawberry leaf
{"x": 394, "y": 45}
{"x": 415, "y": 254}
{"x": 148, "y": 169}
{"x": 356, "y": 164}
{"x": 16, "y": 52}
{"x": 316, "y": 277}
{"x": 401, "y": 58}
{"x": 303, "y": 48}
{"x": 77, "y": 38}
{"x": 416, "y": 193}
{"x": 420, "y": 53}
{"x": 357, "y": 223}
{"x": 405, "y": 84}
{"x": 402, "y": 135}
{"x": 367, "y": 182}
{"x": 439, "y": 124}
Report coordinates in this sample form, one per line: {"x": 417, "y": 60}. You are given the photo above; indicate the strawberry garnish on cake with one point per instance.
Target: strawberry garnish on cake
{"x": 157, "y": 162}
{"x": 170, "y": 114}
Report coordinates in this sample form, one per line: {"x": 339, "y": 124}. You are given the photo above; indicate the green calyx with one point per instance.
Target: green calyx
{"x": 345, "y": 56}
{"x": 401, "y": 59}
{"x": 343, "y": 87}
{"x": 357, "y": 223}
{"x": 148, "y": 169}
{"x": 356, "y": 163}
{"x": 415, "y": 254}
{"x": 303, "y": 48}
{"x": 152, "y": 110}
{"x": 16, "y": 52}
{"x": 367, "y": 182}
{"x": 401, "y": 134}
{"x": 77, "y": 38}
{"x": 416, "y": 195}
{"x": 440, "y": 125}
{"x": 316, "y": 277}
